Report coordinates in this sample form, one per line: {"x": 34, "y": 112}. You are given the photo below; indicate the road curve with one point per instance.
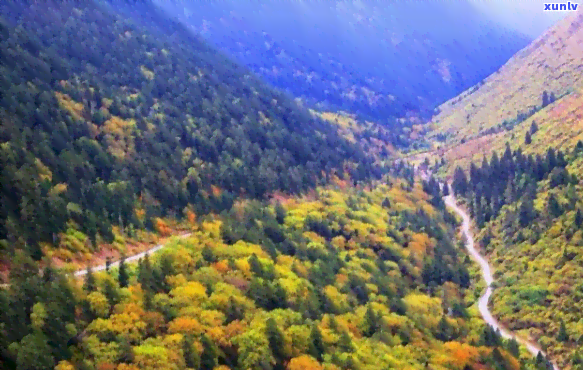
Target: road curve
{"x": 131, "y": 258}
{"x": 450, "y": 201}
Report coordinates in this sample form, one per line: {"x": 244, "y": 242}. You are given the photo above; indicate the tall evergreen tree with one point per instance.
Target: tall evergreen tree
{"x": 372, "y": 322}
{"x": 533, "y": 127}
{"x": 123, "y": 275}
{"x": 545, "y": 99}
{"x": 554, "y": 208}
{"x": 578, "y": 219}
{"x": 345, "y": 342}
{"x": 280, "y": 213}
{"x": 208, "y": 359}
{"x": 316, "y": 346}
{"x": 460, "y": 182}
{"x": 276, "y": 341}
{"x": 191, "y": 358}
{"x": 513, "y": 347}
{"x": 444, "y": 330}
{"x": 89, "y": 285}
{"x": 562, "y": 335}
{"x": 526, "y": 212}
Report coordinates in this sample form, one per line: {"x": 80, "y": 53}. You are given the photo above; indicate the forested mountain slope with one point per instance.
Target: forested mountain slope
{"x": 348, "y": 279}
{"x": 105, "y": 121}
{"x": 379, "y": 60}
{"x": 530, "y": 212}
{"x": 513, "y": 146}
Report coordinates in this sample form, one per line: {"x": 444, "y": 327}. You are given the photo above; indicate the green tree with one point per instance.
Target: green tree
{"x": 513, "y": 347}
{"x": 123, "y": 275}
{"x": 526, "y": 212}
{"x": 191, "y": 358}
{"x": 208, "y": 359}
{"x": 562, "y": 335}
{"x": 89, "y": 285}
{"x": 444, "y": 330}
{"x": 371, "y": 321}
{"x": 460, "y": 182}
{"x": 533, "y": 128}
{"x": 34, "y": 353}
{"x": 280, "y": 213}
{"x": 276, "y": 340}
{"x": 545, "y": 99}
{"x": 110, "y": 290}
{"x": 208, "y": 255}
{"x": 345, "y": 342}
{"x": 554, "y": 208}
{"x": 316, "y": 347}
{"x": 578, "y": 219}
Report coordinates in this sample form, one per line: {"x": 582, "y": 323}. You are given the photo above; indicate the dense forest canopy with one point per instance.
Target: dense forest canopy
{"x": 349, "y": 279}
{"x": 305, "y": 247}
{"x": 529, "y": 210}
{"x": 100, "y": 112}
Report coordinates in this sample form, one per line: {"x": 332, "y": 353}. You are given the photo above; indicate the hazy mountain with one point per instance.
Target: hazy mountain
{"x": 382, "y": 60}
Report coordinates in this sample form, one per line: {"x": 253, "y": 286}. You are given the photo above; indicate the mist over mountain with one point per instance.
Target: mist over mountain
{"x": 381, "y": 60}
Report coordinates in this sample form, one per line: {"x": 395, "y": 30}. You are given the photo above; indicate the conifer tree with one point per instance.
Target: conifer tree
{"x": 111, "y": 292}
{"x": 445, "y": 190}
{"x": 208, "y": 358}
{"x": 234, "y": 312}
{"x": 276, "y": 340}
{"x": 526, "y": 212}
{"x": 460, "y": 183}
{"x": 386, "y": 203}
{"x": 513, "y": 347}
{"x": 191, "y": 358}
{"x": 577, "y": 360}
{"x": 345, "y": 342}
{"x": 89, "y": 285}
{"x": 578, "y": 219}
{"x": 533, "y": 128}
{"x": 372, "y": 321}
{"x": 545, "y": 99}
{"x": 166, "y": 269}
{"x": 280, "y": 213}
{"x": 554, "y": 208}
{"x": 562, "y": 335}
{"x": 123, "y": 275}
{"x": 316, "y": 346}
{"x": 527, "y": 139}
{"x": 443, "y": 330}
{"x": 208, "y": 255}
{"x": 256, "y": 266}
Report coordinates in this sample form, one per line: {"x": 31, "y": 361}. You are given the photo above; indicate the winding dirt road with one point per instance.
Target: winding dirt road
{"x": 131, "y": 258}
{"x": 450, "y": 201}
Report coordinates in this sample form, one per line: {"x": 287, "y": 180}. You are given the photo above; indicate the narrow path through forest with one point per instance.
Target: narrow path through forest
{"x": 450, "y": 201}
{"x": 135, "y": 257}
{"x": 131, "y": 258}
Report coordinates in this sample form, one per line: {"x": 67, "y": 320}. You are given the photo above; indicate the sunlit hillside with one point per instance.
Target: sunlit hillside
{"x": 551, "y": 63}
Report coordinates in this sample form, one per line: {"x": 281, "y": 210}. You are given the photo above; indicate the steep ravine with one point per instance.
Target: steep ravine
{"x": 450, "y": 201}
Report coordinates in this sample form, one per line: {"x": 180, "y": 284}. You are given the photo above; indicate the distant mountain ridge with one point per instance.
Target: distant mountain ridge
{"x": 378, "y": 60}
